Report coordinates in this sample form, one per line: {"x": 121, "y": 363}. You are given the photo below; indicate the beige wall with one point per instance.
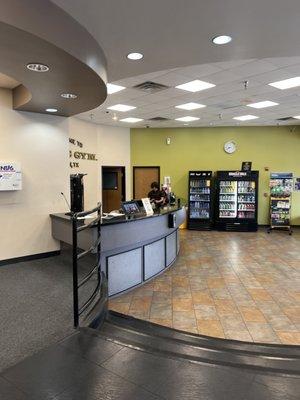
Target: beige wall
{"x": 112, "y": 148}
{"x": 41, "y": 144}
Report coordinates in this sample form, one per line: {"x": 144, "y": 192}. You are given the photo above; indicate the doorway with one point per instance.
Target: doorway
{"x": 113, "y": 188}
{"x": 142, "y": 179}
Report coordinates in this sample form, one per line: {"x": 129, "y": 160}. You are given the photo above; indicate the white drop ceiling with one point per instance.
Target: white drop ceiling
{"x": 228, "y": 99}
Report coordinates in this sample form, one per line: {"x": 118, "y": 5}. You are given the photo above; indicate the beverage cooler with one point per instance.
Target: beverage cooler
{"x": 200, "y": 200}
{"x": 237, "y": 193}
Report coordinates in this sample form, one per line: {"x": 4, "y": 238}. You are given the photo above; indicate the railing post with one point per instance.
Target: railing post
{"x": 75, "y": 271}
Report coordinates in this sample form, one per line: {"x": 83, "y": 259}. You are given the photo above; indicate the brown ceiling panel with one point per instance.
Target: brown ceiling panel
{"x": 77, "y": 64}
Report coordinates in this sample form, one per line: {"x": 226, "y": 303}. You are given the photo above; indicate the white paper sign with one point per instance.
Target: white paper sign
{"x": 147, "y": 206}
{"x": 10, "y": 176}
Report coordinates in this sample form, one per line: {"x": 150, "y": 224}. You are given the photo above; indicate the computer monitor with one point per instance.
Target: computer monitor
{"x": 130, "y": 207}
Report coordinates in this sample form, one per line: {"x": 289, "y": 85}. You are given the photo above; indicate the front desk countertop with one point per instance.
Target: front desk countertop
{"x": 124, "y": 218}
{"x": 133, "y": 250}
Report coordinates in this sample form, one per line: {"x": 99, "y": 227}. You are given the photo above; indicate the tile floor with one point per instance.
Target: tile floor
{"x": 243, "y": 286}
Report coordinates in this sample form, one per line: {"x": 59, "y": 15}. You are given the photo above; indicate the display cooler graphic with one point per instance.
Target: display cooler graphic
{"x": 200, "y": 200}
{"x": 236, "y": 200}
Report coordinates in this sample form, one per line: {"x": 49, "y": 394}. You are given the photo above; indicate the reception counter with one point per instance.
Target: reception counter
{"x": 134, "y": 250}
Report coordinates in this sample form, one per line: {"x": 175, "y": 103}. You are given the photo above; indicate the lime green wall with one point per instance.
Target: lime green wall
{"x": 202, "y": 149}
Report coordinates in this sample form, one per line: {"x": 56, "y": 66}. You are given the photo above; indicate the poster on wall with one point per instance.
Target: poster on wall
{"x": 10, "y": 176}
{"x": 296, "y": 184}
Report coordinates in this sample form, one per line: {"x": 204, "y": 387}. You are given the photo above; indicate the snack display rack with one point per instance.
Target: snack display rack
{"x": 281, "y": 186}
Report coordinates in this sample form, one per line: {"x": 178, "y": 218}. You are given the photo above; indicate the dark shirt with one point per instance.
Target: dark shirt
{"x": 156, "y": 195}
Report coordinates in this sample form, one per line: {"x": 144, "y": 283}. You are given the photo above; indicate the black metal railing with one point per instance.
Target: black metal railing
{"x": 79, "y": 225}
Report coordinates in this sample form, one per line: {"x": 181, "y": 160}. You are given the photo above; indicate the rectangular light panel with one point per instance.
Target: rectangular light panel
{"x": 246, "y": 117}
{"x": 195, "y": 86}
{"x": 263, "y": 104}
{"x": 190, "y": 106}
{"x": 121, "y": 107}
{"x": 286, "y": 83}
{"x": 112, "y": 88}
{"x": 131, "y": 120}
{"x": 187, "y": 119}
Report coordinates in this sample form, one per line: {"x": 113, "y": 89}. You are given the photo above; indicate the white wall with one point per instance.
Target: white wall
{"x": 41, "y": 144}
{"x": 114, "y": 150}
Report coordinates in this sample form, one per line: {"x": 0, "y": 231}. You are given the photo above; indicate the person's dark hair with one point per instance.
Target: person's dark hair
{"x": 154, "y": 185}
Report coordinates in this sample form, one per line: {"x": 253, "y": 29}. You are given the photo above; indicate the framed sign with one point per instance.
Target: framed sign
{"x": 246, "y": 165}
{"x": 147, "y": 206}
{"x": 10, "y": 176}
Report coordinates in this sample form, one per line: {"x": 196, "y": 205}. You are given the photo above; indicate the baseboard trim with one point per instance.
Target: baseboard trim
{"x": 29, "y": 258}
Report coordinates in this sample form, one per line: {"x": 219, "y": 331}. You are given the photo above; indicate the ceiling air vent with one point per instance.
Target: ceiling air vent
{"x": 159, "y": 119}
{"x": 286, "y": 119}
{"x": 150, "y": 87}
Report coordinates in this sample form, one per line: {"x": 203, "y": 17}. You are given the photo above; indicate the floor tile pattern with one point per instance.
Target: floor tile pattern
{"x": 243, "y": 286}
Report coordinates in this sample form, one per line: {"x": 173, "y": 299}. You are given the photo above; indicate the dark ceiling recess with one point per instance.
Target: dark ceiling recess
{"x": 159, "y": 119}
{"x": 150, "y": 87}
{"x": 286, "y": 119}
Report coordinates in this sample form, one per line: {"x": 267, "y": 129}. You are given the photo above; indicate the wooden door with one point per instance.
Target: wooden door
{"x": 142, "y": 179}
{"x": 113, "y": 188}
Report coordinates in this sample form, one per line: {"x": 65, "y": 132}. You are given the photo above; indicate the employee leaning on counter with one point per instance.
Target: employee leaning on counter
{"x": 157, "y": 196}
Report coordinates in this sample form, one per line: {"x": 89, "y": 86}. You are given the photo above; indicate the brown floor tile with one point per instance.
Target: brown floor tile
{"x": 261, "y": 332}
{"x": 180, "y": 281}
{"x": 233, "y": 323}
{"x": 206, "y": 312}
{"x": 293, "y": 313}
{"x": 252, "y": 314}
{"x": 202, "y": 297}
{"x": 260, "y": 295}
{"x": 162, "y": 287}
{"x": 162, "y": 297}
{"x": 161, "y": 311}
{"x": 181, "y": 293}
{"x": 140, "y": 314}
{"x": 225, "y": 307}
{"x": 140, "y": 304}
{"x": 289, "y": 337}
{"x": 215, "y": 283}
{"x": 122, "y": 308}
{"x": 210, "y": 328}
{"x": 243, "y": 289}
{"x": 163, "y": 322}
{"x": 182, "y": 304}
{"x": 243, "y": 335}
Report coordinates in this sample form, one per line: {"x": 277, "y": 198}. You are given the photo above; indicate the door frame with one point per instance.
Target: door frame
{"x": 143, "y": 167}
{"x": 123, "y": 168}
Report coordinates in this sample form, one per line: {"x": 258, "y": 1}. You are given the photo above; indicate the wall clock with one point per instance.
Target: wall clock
{"x": 230, "y": 147}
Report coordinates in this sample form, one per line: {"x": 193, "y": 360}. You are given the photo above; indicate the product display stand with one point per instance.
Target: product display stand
{"x": 281, "y": 185}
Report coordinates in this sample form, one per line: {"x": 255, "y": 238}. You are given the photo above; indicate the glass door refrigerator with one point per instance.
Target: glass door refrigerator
{"x": 200, "y": 200}
{"x": 237, "y": 193}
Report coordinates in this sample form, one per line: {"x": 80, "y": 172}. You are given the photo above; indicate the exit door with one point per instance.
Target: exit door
{"x": 113, "y": 188}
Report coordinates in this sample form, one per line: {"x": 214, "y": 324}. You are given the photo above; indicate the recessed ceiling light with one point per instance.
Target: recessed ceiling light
{"x": 223, "y": 39}
{"x": 51, "y": 110}
{"x": 286, "y": 83}
{"x": 121, "y": 107}
{"x": 112, "y": 88}
{"x": 190, "y": 106}
{"x": 135, "y": 56}
{"x": 297, "y": 117}
{"x": 131, "y": 120}
{"x": 69, "y": 95}
{"x": 37, "y": 67}
{"x": 246, "y": 117}
{"x": 187, "y": 119}
{"x": 195, "y": 86}
{"x": 262, "y": 104}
